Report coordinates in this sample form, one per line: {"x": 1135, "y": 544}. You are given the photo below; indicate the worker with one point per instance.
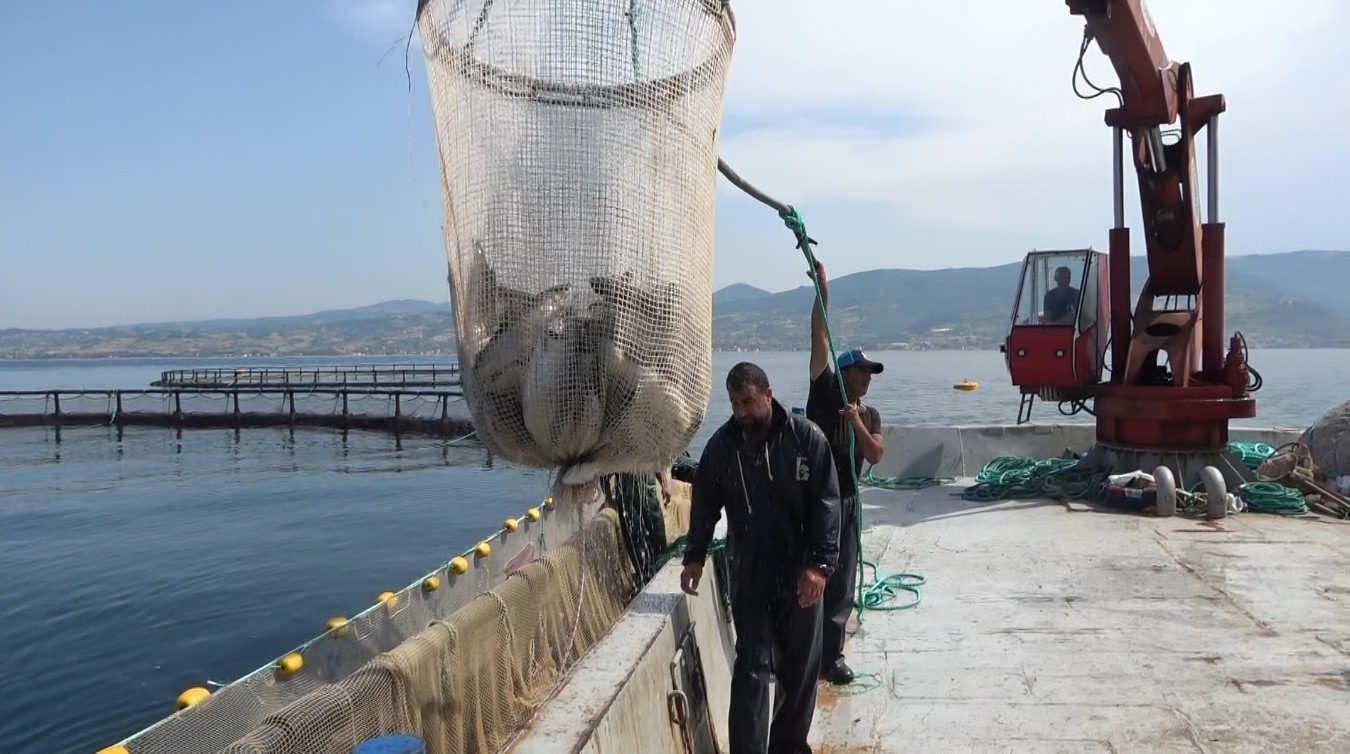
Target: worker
{"x": 828, "y": 409}
{"x": 773, "y": 474}
{"x": 1060, "y": 305}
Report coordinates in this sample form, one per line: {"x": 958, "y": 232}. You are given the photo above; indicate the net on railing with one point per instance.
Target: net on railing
{"x": 461, "y": 657}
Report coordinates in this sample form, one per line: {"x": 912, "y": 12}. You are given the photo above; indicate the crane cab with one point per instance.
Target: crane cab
{"x": 1056, "y": 343}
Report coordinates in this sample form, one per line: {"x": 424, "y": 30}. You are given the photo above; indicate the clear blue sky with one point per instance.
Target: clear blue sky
{"x": 170, "y": 161}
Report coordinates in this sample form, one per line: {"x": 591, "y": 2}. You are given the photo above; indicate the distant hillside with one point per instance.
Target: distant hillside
{"x": 1295, "y": 299}
{"x": 739, "y": 292}
{"x": 971, "y": 307}
{"x": 1321, "y": 277}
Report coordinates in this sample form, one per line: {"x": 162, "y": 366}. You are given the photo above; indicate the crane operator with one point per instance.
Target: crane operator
{"x": 1060, "y": 306}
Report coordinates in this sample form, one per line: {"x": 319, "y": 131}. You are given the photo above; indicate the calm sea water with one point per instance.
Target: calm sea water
{"x": 137, "y": 565}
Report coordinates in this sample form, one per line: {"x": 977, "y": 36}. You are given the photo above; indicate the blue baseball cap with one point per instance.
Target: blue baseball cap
{"x": 856, "y": 358}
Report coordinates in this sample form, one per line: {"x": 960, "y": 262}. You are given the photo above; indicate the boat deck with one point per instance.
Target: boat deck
{"x": 1051, "y": 627}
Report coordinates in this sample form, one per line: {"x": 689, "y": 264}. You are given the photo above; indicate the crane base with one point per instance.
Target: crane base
{"x": 1168, "y": 418}
{"x": 1185, "y": 465}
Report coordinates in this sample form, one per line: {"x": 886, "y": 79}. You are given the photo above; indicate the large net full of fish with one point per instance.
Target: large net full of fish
{"x": 578, "y": 153}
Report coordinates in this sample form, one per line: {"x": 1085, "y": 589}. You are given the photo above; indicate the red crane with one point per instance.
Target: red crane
{"x": 1056, "y": 348}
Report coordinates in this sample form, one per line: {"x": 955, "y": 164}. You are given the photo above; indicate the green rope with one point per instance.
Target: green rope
{"x": 1269, "y": 497}
{"x": 870, "y": 479}
{"x": 874, "y": 595}
{"x": 1252, "y": 454}
{"x": 793, "y": 220}
{"x": 1013, "y": 478}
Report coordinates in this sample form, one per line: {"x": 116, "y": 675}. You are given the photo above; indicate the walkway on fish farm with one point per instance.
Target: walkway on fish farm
{"x": 425, "y": 412}
{"x": 386, "y": 376}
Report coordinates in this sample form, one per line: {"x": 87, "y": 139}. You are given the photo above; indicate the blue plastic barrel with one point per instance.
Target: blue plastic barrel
{"x": 397, "y": 743}
{"x": 798, "y": 411}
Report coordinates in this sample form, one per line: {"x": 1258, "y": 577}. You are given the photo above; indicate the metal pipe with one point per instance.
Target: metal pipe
{"x": 1212, "y": 183}
{"x": 1118, "y": 175}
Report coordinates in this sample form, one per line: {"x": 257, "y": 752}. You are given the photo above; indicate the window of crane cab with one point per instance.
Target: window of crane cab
{"x": 1058, "y": 289}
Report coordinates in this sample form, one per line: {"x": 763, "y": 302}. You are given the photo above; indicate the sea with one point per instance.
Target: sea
{"x": 139, "y": 563}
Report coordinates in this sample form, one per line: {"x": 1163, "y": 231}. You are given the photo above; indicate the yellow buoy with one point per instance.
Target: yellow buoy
{"x": 337, "y": 626}
{"x": 388, "y": 598}
{"x": 459, "y": 565}
{"x": 532, "y": 514}
{"x": 966, "y": 385}
{"x": 119, "y": 749}
{"x": 483, "y": 550}
{"x": 510, "y": 524}
{"x": 290, "y": 664}
{"x": 192, "y": 696}
{"x": 548, "y": 502}
{"x": 431, "y": 584}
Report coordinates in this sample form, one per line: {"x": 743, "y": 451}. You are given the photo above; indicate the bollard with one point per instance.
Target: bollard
{"x": 396, "y": 743}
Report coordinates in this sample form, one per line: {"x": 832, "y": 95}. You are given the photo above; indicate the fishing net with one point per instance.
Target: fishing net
{"x": 1328, "y": 440}
{"x": 578, "y": 154}
{"x": 465, "y": 664}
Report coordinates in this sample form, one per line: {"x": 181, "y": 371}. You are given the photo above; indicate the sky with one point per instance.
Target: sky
{"x": 175, "y": 161}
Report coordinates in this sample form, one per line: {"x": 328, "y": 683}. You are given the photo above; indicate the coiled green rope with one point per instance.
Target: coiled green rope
{"x": 1270, "y": 497}
{"x": 1252, "y": 454}
{"x": 1014, "y": 478}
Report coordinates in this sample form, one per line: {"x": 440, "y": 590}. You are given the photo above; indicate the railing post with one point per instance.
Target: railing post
{"x": 290, "y": 395}
{"x": 117, "y": 411}
{"x": 56, "y": 406}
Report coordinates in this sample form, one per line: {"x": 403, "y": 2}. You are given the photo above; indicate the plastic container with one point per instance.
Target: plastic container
{"x": 1131, "y": 498}
{"x": 397, "y": 743}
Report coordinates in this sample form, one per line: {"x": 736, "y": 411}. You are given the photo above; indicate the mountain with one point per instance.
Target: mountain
{"x": 1295, "y": 299}
{"x": 1270, "y": 299}
{"x": 1311, "y": 276}
{"x": 738, "y": 292}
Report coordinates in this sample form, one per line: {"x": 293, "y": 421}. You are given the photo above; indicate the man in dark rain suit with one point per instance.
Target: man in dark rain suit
{"x": 775, "y": 477}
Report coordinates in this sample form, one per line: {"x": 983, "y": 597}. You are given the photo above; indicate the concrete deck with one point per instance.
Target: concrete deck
{"x": 1047, "y": 627}
{"x": 1044, "y": 627}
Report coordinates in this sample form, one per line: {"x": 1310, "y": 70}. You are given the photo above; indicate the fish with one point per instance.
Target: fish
{"x": 515, "y": 321}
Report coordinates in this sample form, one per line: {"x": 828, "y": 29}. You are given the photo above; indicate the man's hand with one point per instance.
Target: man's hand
{"x": 851, "y": 413}
{"x": 820, "y": 272}
{"x": 663, "y": 479}
{"x": 810, "y": 586}
{"x": 689, "y": 578}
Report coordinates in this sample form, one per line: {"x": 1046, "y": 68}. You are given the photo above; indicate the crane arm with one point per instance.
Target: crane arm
{"x": 1154, "y": 93}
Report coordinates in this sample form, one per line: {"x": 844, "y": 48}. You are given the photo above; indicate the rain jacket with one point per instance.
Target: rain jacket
{"x": 781, "y": 497}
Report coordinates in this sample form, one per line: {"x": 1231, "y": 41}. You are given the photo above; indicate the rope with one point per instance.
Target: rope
{"x": 870, "y": 479}
{"x": 1252, "y": 454}
{"x": 1270, "y": 497}
{"x": 876, "y": 594}
{"x": 1013, "y": 478}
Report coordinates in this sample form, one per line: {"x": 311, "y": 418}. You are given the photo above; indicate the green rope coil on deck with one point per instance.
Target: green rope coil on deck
{"x": 1252, "y": 454}
{"x": 1014, "y": 478}
{"x": 1269, "y": 497}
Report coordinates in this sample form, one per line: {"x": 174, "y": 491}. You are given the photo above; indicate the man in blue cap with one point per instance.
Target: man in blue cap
{"x": 835, "y": 417}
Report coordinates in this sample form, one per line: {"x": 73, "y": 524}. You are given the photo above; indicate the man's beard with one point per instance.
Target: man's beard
{"x": 754, "y": 425}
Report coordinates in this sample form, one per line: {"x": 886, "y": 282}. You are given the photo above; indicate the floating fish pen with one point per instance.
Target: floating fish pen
{"x": 426, "y": 412}
{"x": 389, "y": 376}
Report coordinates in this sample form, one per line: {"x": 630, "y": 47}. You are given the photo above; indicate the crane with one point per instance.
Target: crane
{"x": 1146, "y": 411}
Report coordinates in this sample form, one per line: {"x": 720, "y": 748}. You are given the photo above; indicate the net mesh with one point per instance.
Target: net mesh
{"x": 578, "y": 154}
{"x": 1328, "y": 439}
{"x": 463, "y": 665}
